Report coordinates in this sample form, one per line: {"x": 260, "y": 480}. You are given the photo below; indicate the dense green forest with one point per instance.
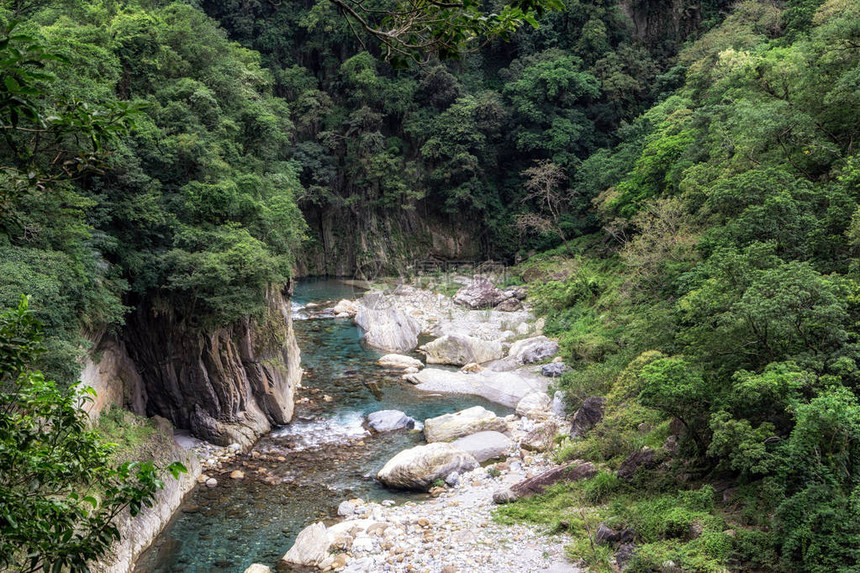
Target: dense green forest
{"x": 681, "y": 180}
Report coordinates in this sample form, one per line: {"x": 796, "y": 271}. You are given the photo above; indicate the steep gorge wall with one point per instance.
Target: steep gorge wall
{"x": 227, "y": 385}
{"x": 665, "y": 23}
{"x": 137, "y": 533}
{"x": 365, "y": 243}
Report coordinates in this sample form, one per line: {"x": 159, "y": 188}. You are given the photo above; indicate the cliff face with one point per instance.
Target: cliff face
{"x": 111, "y": 372}
{"x": 662, "y": 22}
{"x": 226, "y": 385}
{"x": 367, "y": 243}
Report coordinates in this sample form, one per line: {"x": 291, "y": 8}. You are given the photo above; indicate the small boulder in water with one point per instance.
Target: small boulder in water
{"x": 237, "y": 474}
{"x": 258, "y": 568}
{"x": 345, "y": 509}
{"x": 389, "y": 420}
{"x": 346, "y": 307}
{"x": 399, "y": 361}
{"x": 385, "y": 327}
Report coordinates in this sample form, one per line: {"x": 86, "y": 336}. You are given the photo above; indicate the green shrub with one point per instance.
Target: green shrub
{"x": 125, "y": 430}
{"x": 601, "y": 486}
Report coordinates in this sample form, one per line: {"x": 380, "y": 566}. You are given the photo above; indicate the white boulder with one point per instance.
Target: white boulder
{"x": 417, "y": 468}
{"x": 345, "y": 307}
{"x": 485, "y": 445}
{"x": 534, "y": 405}
{"x": 386, "y": 327}
{"x": 399, "y": 361}
{"x": 505, "y": 388}
{"x": 452, "y": 426}
{"x": 389, "y": 420}
{"x": 460, "y": 350}
{"x": 533, "y": 349}
{"x": 310, "y": 548}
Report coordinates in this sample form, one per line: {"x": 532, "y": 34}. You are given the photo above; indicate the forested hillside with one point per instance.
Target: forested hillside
{"x": 449, "y": 142}
{"x": 146, "y": 159}
{"x": 677, "y": 181}
{"x": 717, "y": 310}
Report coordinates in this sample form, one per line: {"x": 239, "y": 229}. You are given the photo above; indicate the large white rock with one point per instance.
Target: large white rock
{"x": 485, "y": 445}
{"x": 345, "y": 527}
{"x": 389, "y": 420}
{"x": 310, "y": 548}
{"x": 533, "y": 349}
{"x": 452, "y": 426}
{"x": 460, "y": 350}
{"x": 386, "y": 327}
{"x": 399, "y": 361}
{"x": 506, "y": 388}
{"x": 534, "y": 405}
{"x": 417, "y": 468}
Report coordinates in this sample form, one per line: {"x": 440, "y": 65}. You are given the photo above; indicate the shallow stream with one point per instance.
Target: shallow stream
{"x": 323, "y": 457}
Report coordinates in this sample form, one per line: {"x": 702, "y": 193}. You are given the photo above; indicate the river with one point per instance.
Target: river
{"x": 328, "y": 455}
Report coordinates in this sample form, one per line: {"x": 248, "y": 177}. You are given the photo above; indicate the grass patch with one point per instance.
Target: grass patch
{"x": 130, "y": 433}
{"x": 685, "y": 527}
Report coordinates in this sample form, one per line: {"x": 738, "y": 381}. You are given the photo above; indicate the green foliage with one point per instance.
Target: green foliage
{"x": 194, "y": 206}
{"x": 126, "y": 431}
{"x": 60, "y": 495}
{"x": 603, "y": 485}
{"x": 542, "y": 95}
{"x": 734, "y": 201}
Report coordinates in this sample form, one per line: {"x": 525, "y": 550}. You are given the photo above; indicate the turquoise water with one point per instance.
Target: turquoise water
{"x": 327, "y": 455}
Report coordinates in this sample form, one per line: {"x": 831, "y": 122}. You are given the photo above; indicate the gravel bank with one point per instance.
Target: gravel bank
{"x": 452, "y": 533}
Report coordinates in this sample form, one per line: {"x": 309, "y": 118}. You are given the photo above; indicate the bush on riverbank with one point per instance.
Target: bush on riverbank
{"x": 60, "y": 490}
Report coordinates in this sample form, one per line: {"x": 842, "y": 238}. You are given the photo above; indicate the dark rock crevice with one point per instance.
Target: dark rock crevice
{"x": 226, "y": 385}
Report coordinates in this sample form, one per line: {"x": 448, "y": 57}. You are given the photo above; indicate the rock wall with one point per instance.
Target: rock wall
{"x": 111, "y": 372}
{"x": 367, "y": 243}
{"x": 664, "y": 23}
{"x": 227, "y": 385}
{"x": 137, "y": 533}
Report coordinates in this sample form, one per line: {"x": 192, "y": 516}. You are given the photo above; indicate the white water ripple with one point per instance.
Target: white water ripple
{"x": 342, "y": 428}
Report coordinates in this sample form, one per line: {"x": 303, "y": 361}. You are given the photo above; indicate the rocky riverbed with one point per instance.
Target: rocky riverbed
{"x": 349, "y": 422}
{"x": 453, "y": 532}
{"x": 498, "y": 349}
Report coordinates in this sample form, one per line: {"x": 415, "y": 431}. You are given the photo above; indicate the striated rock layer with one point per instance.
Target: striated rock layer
{"x": 227, "y": 385}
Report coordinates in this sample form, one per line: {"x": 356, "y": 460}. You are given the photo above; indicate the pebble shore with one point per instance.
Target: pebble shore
{"x": 453, "y": 532}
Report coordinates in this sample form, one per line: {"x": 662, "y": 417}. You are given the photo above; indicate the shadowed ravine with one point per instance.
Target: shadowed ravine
{"x": 321, "y": 459}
